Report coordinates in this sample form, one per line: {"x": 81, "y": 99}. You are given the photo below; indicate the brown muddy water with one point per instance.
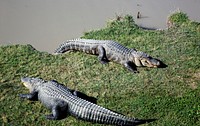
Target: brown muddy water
{"x": 47, "y": 23}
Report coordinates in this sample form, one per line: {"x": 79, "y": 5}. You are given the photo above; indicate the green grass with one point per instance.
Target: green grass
{"x": 170, "y": 95}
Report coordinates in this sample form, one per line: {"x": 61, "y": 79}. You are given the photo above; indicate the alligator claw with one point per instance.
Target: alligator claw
{"x": 32, "y": 96}
{"x": 50, "y": 117}
{"x": 103, "y": 62}
{"x": 21, "y": 95}
{"x": 135, "y": 72}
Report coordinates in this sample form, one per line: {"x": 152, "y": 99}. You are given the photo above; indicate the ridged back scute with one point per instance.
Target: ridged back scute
{"x": 139, "y": 54}
{"x": 84, "y": 45}
{"x": 117, "y": 48}
{"x": 57, "y": 91}
{"x": 94, "y": 113}
{"x": 77, "y": 43}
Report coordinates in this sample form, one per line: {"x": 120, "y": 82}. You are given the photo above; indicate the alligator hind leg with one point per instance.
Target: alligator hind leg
{"x": 102, "y": 55}
{"x": 59, "y": 111}
{"x": 131, "y": 67}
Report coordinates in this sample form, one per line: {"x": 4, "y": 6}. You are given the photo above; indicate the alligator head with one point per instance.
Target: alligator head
{"x": 31, "y": 83}
{"x": 143, "y": 59}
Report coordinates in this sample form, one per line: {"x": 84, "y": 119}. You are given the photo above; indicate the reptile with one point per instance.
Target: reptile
{"x": 62, "y": 102}
{"x": 108, "y": 50}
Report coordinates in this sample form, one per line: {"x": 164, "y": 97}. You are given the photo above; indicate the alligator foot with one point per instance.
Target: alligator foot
{"x": 32, "y": 96}
{"x": 51, "y": 117}
{"x": 131, "y": 67}
{"x": 62, "y": 115}
{"x": 59, "y": 111}
{"x": 103, "y": 61}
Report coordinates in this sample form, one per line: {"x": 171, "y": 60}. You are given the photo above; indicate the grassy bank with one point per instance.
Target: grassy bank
{"x": 170, "y": 95}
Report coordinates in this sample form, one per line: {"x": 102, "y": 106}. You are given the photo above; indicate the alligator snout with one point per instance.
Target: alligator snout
{"x": 25, "y": 79}
{"x": 160, "y": 64}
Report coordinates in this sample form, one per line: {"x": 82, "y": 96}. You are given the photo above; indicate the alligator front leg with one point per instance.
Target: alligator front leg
{"x": 102, "y": 55}
{"x": 59, "y": 111}
{"x": 31, "y": 96}
{"x": 131, "y": 67}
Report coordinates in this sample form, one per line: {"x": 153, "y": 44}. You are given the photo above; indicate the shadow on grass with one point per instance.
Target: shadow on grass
{"x": 84, "y": 96}
{"x": 140, "y": 121}
{"x": 162, "y": 64}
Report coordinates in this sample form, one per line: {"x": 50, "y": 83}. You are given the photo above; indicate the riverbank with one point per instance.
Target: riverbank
{"x": 170, "y": 95}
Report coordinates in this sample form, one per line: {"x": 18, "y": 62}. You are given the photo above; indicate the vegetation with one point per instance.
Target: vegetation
{"x": 170, "y": 95}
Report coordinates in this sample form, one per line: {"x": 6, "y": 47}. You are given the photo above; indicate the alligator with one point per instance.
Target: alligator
{"x": 108, "y": 50}
{"x": 62, "y": 102}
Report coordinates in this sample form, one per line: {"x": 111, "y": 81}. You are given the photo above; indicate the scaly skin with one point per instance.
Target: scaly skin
{"x": 108, "y": 50}
{"x": 61, "y": 101}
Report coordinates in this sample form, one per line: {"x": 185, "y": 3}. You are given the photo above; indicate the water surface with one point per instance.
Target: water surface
{"x": 46, "y": 23}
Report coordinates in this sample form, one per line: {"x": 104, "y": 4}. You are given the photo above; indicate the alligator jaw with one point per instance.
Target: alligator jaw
{"x": 26, "y": 82}
{"x": 150, "y": 62}
{"x": 156, "y": 63}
